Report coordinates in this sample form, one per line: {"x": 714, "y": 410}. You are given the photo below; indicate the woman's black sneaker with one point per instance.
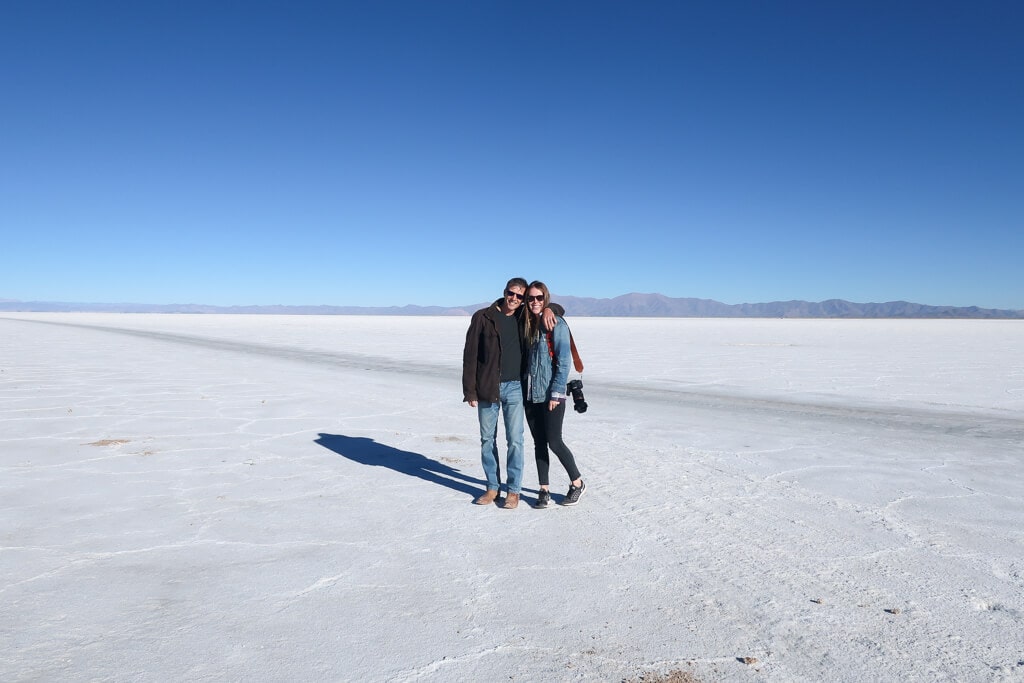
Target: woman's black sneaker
{"x": 574, "y": 494}
{"x": 543, "y": 500}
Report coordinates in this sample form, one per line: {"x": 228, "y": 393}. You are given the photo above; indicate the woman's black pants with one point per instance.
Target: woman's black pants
{"x": 546, "y": 428}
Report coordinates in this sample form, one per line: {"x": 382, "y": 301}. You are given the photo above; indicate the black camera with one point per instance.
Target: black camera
{"x": 575, "y": 389}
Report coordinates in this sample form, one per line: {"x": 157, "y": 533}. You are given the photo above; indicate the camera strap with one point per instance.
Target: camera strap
{"x": 576, "y": 361}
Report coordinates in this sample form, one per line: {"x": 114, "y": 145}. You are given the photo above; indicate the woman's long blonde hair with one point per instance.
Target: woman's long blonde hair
{"x": 533, "y": 324}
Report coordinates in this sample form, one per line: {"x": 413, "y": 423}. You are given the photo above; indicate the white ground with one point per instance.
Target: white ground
{"x": 289, "y": 499}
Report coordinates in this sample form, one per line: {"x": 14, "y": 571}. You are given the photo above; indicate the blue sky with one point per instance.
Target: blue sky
{"x": 414, "y": 152}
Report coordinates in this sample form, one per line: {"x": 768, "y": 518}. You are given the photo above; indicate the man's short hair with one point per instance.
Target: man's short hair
{"x": 516, "y": 282}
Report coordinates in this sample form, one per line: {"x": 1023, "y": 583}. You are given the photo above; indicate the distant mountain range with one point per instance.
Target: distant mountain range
{"x": 657, "y": 305}
{"x": 627, "y": 305}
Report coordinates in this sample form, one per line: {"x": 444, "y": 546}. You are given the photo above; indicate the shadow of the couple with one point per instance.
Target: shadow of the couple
{"x": 368, "y": 452}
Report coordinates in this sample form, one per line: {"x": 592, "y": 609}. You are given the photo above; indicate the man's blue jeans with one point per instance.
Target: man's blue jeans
{"x": 511, "y": 407}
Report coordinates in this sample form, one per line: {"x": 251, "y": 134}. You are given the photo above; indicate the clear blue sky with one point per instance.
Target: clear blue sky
{"x": 422, "y": 152}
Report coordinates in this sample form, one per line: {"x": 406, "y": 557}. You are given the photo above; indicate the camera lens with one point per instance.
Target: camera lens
{"x": 575, "y": 388}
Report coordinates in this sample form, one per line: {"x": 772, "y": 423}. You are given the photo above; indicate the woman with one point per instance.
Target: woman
{"x": 546, "y": 375}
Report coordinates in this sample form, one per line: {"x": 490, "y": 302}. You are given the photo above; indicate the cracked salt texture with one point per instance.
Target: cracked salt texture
{"x": 289, "y": 498}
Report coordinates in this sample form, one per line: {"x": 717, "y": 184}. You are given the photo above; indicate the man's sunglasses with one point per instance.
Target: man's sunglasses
{"x": 515, "y": 295}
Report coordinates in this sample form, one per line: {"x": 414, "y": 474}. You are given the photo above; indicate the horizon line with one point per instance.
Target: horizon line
{"x": 471, "y": 307}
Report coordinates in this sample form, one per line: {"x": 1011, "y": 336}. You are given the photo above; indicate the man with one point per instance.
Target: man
{"x": 492, "y": 371}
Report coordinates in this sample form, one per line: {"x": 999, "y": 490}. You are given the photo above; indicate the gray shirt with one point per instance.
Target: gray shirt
{"x": 511, "y": 348}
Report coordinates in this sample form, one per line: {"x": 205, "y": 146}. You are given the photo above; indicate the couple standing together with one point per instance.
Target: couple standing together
{"x": 516, "y": 362}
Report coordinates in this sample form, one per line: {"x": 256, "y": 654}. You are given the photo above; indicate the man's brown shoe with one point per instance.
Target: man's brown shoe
{"x": 511, "y": 501}
{"x": 487, "y": 498}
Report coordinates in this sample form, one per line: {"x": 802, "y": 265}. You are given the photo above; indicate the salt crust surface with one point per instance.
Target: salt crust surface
{"x": 289, "y": 498}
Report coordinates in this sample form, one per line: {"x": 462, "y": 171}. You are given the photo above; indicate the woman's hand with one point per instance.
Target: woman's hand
{"x": 553, "y": 404}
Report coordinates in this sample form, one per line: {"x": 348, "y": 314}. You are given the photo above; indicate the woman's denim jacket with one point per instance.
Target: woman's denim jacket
{"x": 549, "y": 366}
